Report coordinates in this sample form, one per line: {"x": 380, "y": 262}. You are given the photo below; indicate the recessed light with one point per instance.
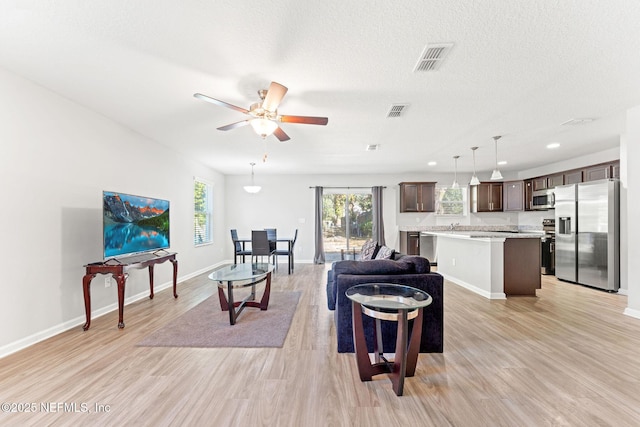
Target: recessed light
{"x": 432, "y": 163}
{"x": 553, "y": 145}
{"x": 502, "y": 162}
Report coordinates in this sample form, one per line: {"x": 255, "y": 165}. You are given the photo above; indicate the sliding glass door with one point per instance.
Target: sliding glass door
{"x": 347, "y": 222}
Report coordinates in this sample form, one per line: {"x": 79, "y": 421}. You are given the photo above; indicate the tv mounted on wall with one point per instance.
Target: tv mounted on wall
{"x": 133, "y": 224}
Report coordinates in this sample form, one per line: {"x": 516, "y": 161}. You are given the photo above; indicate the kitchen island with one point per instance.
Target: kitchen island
{"x": 492, "y": 264}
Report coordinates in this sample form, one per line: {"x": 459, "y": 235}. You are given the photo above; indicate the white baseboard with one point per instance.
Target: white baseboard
{"x": 77, "y": 321}
{"x": 632, "y": 312}
{"x": 475, "y": 289}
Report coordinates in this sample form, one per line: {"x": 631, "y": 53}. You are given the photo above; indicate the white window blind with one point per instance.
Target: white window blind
{"x": 202, "y": 212}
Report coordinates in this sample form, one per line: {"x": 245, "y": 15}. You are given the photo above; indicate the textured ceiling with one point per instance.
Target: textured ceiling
{"x": 517, "y": 69}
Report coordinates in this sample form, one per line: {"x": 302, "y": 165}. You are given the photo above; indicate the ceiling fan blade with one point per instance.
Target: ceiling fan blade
{"x": 281, "y": 135}
{"x": 304, "y": 120}
{"x": 220, "y": 103}
{"x": 274, "y": 96}
{"x": 234, "y": 125}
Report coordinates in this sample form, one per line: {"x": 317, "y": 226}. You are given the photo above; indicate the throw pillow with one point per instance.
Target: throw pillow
{"x": 384, "y": 252}
{"x": 368, "y": 249}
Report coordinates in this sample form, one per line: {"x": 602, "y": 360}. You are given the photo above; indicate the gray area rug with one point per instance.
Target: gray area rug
{"x": 206, "y": 325}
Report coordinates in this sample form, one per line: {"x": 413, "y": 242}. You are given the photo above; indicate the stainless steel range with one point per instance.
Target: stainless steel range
{"x": 548, "y": 246}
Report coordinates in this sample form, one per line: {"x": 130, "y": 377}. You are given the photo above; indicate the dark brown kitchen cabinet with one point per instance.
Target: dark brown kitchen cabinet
{"x": 486, "y": 197}
{"x": 417, "y": 196}
{"x": 410, "y": 242}
{"x": 528, "y": 194}
{"x": 549, "y": 181}
{"x": 573, "y": 177}
{"x": 555, "y": 180}
{"x": 539, "y": 183}
{"x": 597, "y": 172}
{"x": 513, "y": 196}
{"x": 615, "y": 170}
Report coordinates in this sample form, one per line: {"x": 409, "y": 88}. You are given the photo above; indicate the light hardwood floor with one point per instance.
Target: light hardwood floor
{"x": 567, "y": 357}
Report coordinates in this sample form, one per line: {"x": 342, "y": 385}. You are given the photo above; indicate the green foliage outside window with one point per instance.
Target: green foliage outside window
{"x": 202, "y": 213}
{"x": 450, "y": 201}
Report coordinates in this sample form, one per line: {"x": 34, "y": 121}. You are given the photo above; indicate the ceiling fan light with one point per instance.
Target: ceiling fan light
{"x": 263, "y": 127}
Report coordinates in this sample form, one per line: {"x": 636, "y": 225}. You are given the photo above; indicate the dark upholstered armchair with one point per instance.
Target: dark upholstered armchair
{"x": 407, "y": 270}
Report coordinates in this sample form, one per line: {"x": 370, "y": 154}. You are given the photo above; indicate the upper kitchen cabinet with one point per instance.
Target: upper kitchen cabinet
{"x": 555, "y": 180}
{"x": 417, "y": 196}
{"x": 545, "y": 182}
{"x": 513, "y": 192}
{"x": 528, "y": 194}
{"x": 486, "y": 197}
{"x": 573, "y": 177}
{"x": 602, "y": 171}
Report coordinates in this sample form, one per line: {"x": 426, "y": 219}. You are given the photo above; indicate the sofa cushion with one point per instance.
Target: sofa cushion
{"x": 369, "y": 249}
{"x": 374, "y": 266}
{"x": 422, "y": 265}
{"x": 384, "y": 252}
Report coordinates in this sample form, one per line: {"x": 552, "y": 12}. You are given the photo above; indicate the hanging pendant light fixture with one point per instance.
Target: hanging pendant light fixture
{"x": 496, "y": 173}
{"x": 455, "y": 178}
{"x": 253, "y": 188}
{"x": 474, "y": 178}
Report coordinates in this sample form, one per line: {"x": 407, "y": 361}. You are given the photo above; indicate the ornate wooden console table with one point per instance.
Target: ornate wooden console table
{"x": 118, "y": 269}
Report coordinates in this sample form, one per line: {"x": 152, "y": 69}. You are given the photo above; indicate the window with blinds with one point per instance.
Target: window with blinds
{"x": 202, "y": 212}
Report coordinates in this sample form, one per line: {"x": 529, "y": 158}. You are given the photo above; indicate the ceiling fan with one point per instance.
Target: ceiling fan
{"x": 264, "y": 114}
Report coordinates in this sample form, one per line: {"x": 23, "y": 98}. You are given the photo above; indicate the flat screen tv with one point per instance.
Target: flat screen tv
{"x": 133, "y": 224}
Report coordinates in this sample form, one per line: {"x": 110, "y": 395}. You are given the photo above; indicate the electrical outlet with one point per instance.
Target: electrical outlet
{"x": 107, "y": 282}
{"x": 453, "y": 261}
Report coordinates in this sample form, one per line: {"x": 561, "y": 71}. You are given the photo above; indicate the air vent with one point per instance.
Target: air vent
{"x": 432, "y": 57}
{"x": 396, "y": 110}
{"x": 373, "y": 147}
{"x": 574, "y": 122}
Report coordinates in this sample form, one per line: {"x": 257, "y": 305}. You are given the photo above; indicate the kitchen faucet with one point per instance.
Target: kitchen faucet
{"x": 453, "y": 226}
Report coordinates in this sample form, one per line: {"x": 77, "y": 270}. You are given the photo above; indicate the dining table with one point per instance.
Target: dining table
{"x": 287, "y": 240}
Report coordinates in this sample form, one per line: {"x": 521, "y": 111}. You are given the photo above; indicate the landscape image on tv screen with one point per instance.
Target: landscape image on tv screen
{"x": 133, "y": 224}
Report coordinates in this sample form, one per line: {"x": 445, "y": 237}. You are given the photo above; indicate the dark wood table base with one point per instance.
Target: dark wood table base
{"x": 118, "y": 271}
{"x": 234, "y": 308}
{"x": 406, "y": 356}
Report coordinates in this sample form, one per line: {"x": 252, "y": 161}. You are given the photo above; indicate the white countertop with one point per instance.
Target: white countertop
{"x": 455, "y": 234}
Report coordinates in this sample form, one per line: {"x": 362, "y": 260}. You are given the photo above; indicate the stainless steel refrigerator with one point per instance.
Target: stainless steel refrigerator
{"x": 588, "y": 233}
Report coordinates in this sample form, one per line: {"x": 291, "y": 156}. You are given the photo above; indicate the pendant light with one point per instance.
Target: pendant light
{"x": 496, "y": 173}
{"x": 253, "y": 188}
{"x": 455, "y": 179}
{"x": 474, "y": 178}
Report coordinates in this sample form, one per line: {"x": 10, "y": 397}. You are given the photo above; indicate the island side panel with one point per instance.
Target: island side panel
{"x": 475, "y": 264}
{"x": 521, "y": 266}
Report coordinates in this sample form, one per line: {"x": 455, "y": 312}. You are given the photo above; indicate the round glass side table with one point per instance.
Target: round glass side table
{"x": 385, "y": 301}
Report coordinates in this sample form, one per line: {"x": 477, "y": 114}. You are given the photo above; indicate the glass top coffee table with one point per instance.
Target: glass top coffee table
{"x": 385, "y": 301}
{"x": 242, "y": 276}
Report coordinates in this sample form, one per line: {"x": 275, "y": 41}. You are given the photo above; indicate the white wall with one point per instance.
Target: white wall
{"x": 57, "y": 157}
{"x": 632, "y": 189}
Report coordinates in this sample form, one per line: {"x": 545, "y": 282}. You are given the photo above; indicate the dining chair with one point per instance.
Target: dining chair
{"x": 272, "y": 235}
{"x": 287, "y": 252}
{"x": 238, "y": 249}
{"x": 260, "y": 245}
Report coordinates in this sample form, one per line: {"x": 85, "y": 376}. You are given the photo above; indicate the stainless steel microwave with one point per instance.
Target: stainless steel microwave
{"x": 543, "y": 199}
